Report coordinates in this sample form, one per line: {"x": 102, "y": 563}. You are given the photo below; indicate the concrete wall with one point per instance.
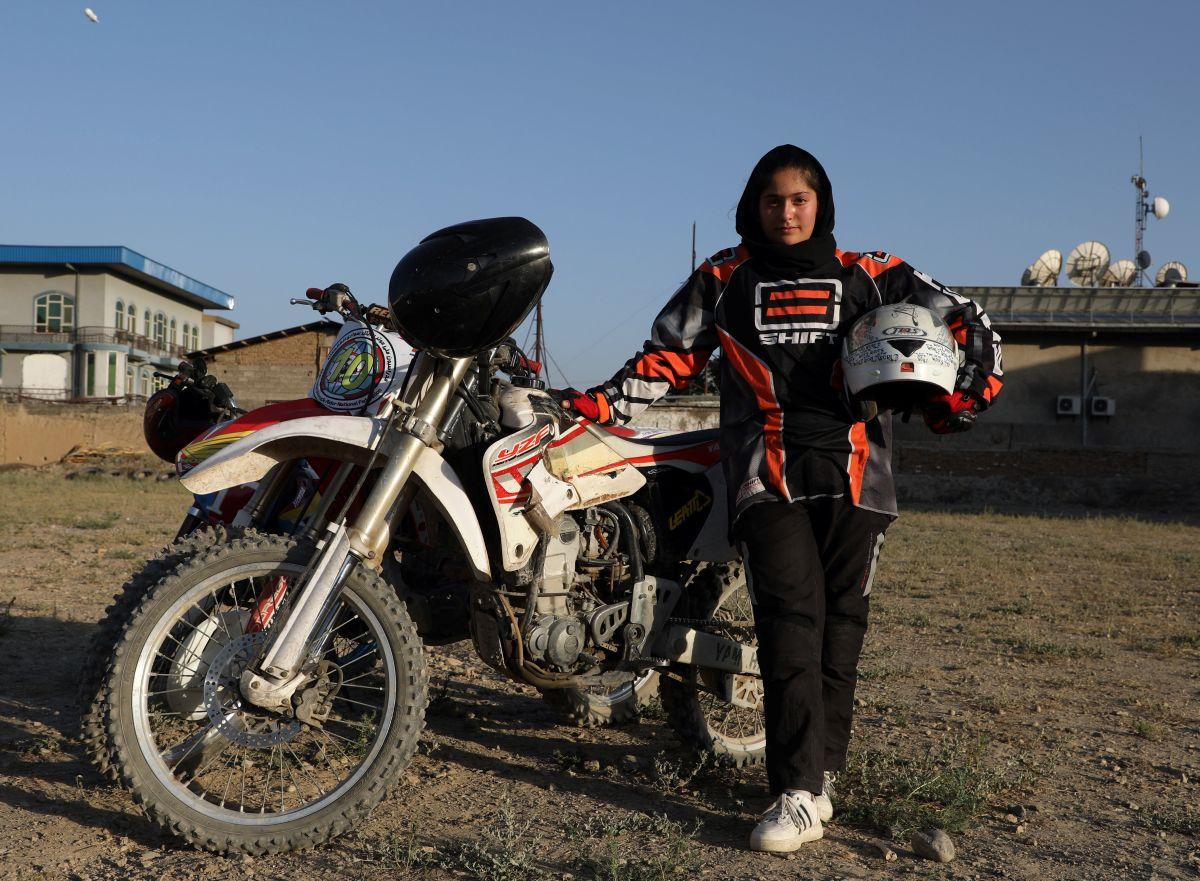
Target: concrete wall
{"x": 682, "y": 414}
{"x": 215, "y": 332}
{"x": 274, "y": 370}
{"x": 18, "y": 288}
{"x": 96, "y": 303}
{"x": 143, "y": 298}
{"x": 1156, "y": 389}
{"x": 35, "y": 434}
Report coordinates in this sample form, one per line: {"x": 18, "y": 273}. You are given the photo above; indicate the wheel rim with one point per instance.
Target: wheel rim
{"x": 734, "y": 725}
{"x": 605, "y": 696}
{"x": 256, "y": 768}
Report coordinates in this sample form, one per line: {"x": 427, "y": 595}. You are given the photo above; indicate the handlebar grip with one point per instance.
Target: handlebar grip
{"x": 315, "y": 293}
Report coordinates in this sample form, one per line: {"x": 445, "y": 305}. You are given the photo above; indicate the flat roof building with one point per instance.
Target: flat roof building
{"x": 97, "y": 322}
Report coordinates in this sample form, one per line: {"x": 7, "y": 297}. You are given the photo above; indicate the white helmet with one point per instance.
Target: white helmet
{"x": 891, "y": 349}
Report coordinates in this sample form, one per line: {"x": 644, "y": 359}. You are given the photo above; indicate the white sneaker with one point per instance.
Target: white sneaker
{"x": 824, "y": 801}
{"x": 787, "y": 824}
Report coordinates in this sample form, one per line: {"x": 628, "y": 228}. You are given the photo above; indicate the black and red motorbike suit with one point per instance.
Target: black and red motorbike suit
{"x": 788, "y": 436}
{"x": 786, "y": 431}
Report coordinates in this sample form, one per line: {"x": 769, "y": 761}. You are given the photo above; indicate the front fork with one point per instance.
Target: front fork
{"x": 303, "y": 632}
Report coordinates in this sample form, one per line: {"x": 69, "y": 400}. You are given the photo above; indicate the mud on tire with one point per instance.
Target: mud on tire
{"x": 732, "y": 735}
{"x": 191, "y": 811}
{"x": 597, "y": 708}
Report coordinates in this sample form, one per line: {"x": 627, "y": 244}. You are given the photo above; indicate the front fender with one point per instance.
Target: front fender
{"x": 231, "y": 457}
{"x": 345, "y": 439}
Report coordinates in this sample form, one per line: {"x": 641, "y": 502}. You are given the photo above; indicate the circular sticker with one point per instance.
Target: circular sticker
{"x": 354, "y": 374}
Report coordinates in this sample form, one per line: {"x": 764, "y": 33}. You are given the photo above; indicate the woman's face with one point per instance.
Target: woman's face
{"x": 787, "y": 208}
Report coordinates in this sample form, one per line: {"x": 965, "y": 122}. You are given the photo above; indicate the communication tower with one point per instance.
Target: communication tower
{"x": 1158, "y": 206}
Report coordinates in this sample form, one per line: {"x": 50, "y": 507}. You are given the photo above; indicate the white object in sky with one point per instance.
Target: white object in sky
{"x": 1161, "y": 207}
{"x": 92, "y": 17}
{"x": 1086, "y": 264}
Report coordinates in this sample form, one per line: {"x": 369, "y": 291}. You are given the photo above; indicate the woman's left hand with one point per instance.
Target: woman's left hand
{"x": 947, "y": 414}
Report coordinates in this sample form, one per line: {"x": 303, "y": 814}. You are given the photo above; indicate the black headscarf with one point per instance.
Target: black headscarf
{"x": 806, "y": 256}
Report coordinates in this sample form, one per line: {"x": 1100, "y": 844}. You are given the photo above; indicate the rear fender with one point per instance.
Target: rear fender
{"x": 250, "y": 455}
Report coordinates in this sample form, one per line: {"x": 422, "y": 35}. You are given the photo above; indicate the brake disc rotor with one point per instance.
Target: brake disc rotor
{"x": 223, "y": 703}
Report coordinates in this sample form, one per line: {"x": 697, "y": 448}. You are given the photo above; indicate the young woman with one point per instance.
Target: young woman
{"x": 811, "y": 488}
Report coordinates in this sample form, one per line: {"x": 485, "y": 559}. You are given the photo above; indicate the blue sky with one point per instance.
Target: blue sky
{"x": 265, "y": 147}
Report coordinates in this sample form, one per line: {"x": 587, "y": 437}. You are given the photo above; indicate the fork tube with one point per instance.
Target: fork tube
{"x": 317, "y": 519}
{"x": 419, "y": 432}
{"x": 264, "y": 494}
{"x": 346, "y": 546}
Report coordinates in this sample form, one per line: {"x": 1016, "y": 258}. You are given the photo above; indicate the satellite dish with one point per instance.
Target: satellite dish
{"x": 93, "y": 18}
{"x": 1143, "y": 259}
{"x": 1170, "y": 274}
{"x": 1119, "y": 274}
{"x": 1043, "y": 272}
{"x": 1086, "y": 264}
{"x": 1161, "y": 207}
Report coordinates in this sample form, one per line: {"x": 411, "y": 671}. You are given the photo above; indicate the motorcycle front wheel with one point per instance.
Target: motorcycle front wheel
{"x": 226, "y": 776}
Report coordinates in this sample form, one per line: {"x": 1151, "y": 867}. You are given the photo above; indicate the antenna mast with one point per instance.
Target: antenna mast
{"x": 693, "y": 269}
{"x": 539, "y": 339}
{"x": 1141, "y": 209}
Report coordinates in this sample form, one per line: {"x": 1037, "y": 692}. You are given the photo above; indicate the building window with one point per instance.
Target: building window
{"x": 130, "y": 389}
{"x": 174, "y": 335}
{"x": 53, "y": 312}
{"x": 131, "y": 312}
{"x": 119, "y": 324}
{"x": 146, "y": 378}
{"x": 112, "y": 373}
{"x": 146, "y": 323}
{"x": 195, "y": 339}
{"x": 160, "y": 329}
{"x": 89, "y": 386}
{"x": 187, "y": 334}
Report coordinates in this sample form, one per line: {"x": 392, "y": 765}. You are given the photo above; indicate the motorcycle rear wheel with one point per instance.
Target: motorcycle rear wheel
{"x": 702, "y": 721}
{"x": 186, "y": 628}
{"x": 602, "y": 708}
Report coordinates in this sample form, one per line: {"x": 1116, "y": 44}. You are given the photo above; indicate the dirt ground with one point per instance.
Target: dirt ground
{"x": 1029, "y": 683}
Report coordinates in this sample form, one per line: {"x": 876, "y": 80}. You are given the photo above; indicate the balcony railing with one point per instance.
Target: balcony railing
{"x": 1175, "y": 308}
{"x": 21, "y": 394}
{"x": 16, "y": 333}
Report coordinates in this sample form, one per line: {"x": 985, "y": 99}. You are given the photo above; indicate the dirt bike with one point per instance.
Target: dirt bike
{"x": 296, "y": 496}
{"x": 267, "y": 691}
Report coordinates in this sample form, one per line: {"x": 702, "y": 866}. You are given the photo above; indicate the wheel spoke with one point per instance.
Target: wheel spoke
{"x": 224, "y": 757}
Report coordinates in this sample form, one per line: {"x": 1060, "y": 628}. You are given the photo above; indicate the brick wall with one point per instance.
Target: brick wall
{"x": 272, "y": 370}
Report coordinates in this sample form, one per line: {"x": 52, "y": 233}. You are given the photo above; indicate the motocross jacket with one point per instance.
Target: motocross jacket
{"x": 786, "y": 432}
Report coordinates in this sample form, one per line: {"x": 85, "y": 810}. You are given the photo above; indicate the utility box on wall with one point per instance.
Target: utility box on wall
{"x": 1068, "y": 405}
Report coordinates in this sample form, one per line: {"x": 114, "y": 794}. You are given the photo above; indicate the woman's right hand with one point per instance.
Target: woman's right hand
{"x": 581, "y": 403}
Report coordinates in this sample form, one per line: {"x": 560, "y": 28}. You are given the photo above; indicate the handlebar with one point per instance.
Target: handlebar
{"x": 337, "y": 298}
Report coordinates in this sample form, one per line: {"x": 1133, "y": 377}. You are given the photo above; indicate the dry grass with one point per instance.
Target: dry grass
{"x": 947, "y": 786}
{"x": 1006, "y": 655}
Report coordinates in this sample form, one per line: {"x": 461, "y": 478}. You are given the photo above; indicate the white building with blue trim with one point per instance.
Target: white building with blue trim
{"x": 97, "y": 322}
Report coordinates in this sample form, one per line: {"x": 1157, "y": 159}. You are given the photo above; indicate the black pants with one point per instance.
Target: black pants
{"x": 810, "y": 567}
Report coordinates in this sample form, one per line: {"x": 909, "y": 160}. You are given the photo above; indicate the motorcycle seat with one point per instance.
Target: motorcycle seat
{"x": 656, "y": 437}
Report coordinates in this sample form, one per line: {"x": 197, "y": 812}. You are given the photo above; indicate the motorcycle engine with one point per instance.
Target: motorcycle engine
{"x": 557, "y": 636}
